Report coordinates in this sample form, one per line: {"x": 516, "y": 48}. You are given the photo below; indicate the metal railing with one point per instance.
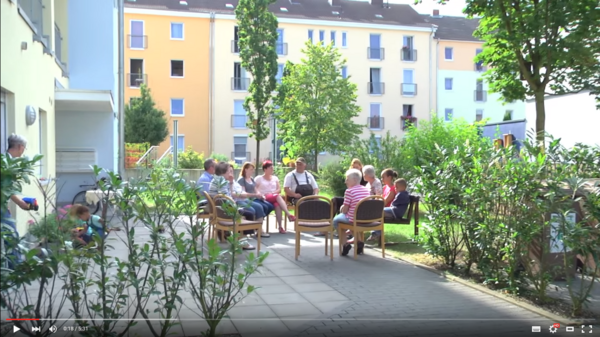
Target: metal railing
{"x": 281, "y": 48}
{"x": 408, "y": 54}
{"x": 168, "y": 152}
{"x": 135, "y": 80}
{"x": 376, "y": 88}
{"x": 151, "y": 155}
{"x": 480, "y": 95}
{"x": 408, "y": 89}
{"x": 375, "y": 53}
{"x": 239, "y": 121}
{"x": 57, "y": 42}
{"x": 375, "y": 122}
{"x": 240, "y": 83}
{"x": 240, "y": 156}
{"x": 137, "y": 41}
{"x": 34, "y": 9}
{"x": 235, "y": 47}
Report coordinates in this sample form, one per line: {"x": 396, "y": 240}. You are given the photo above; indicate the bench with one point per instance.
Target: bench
{"x": 412, "y": 212}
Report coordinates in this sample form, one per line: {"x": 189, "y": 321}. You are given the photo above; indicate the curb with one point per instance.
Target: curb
{"x": 554, "y": 317}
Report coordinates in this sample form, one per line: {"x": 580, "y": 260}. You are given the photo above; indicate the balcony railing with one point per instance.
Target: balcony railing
{"x": 408, "y": 89}
{"x": 135, "y": 80}
{"x": 376, "y": 88}
{"x": 239, "y": 121}
{"x": 235, "y": 47}
{"x": 281, "y": 48}
{"x": 57, "y": 43}
{"x": 480, "y": 95}
{"x": 480, "y": 67}
{"x": 137, "y": 41}
{"x": 240, "y": 156}
{"x": 408, "y": 54}
{"x": 375, "y": 53}
{"x": 406, "y": 121}
{"x": 240, "y": 83}
{"x": 375, "y": 122}
{"x": 34, "y": 10}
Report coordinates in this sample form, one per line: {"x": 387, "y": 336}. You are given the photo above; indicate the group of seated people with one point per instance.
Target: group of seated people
{"x": 257, "y": 197}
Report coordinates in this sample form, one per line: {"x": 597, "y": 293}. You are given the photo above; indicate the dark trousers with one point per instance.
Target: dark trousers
{"x": 337, "y": 204}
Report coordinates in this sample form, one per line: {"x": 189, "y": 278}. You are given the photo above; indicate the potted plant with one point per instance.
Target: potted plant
{"x": 407, "y": 121}
{"x": 54, "y": 228}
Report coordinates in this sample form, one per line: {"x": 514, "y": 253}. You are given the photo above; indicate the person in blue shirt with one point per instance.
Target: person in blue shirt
{"x": 92, "y": 225}
{"x": 401, "y": 201}
{"x": 206, "y": 178}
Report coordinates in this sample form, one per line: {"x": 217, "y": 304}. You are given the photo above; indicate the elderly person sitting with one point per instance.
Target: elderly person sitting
{"x": 373, "y": 183}
{"x": 354, "y": 193}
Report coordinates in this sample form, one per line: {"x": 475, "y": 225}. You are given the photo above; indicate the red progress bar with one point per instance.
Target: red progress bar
{"x": 22, "y": 319}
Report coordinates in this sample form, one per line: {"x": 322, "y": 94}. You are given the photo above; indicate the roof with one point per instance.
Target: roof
{"x": 454, "y": 28}
{"x": 348, "y": 10}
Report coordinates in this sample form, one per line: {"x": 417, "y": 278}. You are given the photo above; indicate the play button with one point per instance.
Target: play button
{"x": 15, "y": 329}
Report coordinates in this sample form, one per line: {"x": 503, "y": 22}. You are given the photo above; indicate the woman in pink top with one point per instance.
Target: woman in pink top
{"x": 268, "y": 185}
{"x": 388, "y": 176}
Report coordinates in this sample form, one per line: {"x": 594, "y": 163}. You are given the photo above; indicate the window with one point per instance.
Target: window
{"x": 375, "y": 85}
{"x": 136, "y": 73}
{"x": 344, "y": 72}
{"x": 310, "y": 35}
{"x": 409, "y": 88}
{"x": 508, "y": 115}
{"x": 322, "y": 36}
{"x": 407, "y": 110}
{"x": 176, "y": 31}
{"x": 137, "y": 39}
{"x": 479, "y": 115}
{"x": 239, "y": 148}
{"x": 42, "y": 123}
{"x": 176, "y": 68}
{"x": 448, "y": 54}
{"x": 378, "y": 141}
{"x": 240, "y": 117}
{"x": 344, "y": 39}
{"x": 240, "y": 82}
{"x": 132, "y": 100}
{"x": 375, "y": 121}
{"x": 4, "y": 121}
{"x": 280, "y": 45}
{"x": 235, "y": 48}
{"x": 407, "y": 42}
{"x": 180, "y": 143}
{"x": 480, "y": 94}
{"x": 376, "y": 145}
{"x": 333, "y": 42}
{"x": 447, "y": 114}
{"x": 279, "y": 75}
{"x": 408, "y": 49}
{"x": 478, "y": 65}
{"x": 177, "y": 107}
{"x": 375, "y": 50}
{"x": 448, "y": 84}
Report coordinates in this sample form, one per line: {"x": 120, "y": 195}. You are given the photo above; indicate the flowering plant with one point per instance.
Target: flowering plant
{"x": 54, "y": 227}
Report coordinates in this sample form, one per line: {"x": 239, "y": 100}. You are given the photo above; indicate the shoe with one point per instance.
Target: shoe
{"x": 361, "y": 247}
{"x": 346, "y": 249}
{"x": 265, "y": 235}
{"x": 281, "y": 230}
{"x": 291, "y": 218}
{"x": 247, "y": 246}
{"x": 350, "y": 241}
{"x": 349, "y": 232}
{"x": 374, "y": 237}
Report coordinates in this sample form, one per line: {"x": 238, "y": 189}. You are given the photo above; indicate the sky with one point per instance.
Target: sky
{"x": 452, "y": 8}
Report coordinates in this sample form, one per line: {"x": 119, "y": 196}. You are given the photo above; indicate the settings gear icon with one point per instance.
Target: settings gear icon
{"x": 553, "y": 329}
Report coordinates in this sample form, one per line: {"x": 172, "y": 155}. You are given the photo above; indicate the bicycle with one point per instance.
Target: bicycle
{"x": 81, "y": 199}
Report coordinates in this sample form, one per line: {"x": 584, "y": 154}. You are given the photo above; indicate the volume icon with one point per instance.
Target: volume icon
{"x": 53, "y": 329}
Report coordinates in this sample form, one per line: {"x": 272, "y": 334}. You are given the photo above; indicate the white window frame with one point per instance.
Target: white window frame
{"x": 412, "y": 82}
{"x": 131, "y": 30}
{"x": 452, "y": 52}
{"x": 234, "y": 144}
{"x": 451, "y": 83}
{"x": 182, "y": 107}
{"x": 182, "y": 68}
{"x": 322, "y": 36}
{"x": 344, "y": 39}
{"x": 379, "y": 115}
{"x": 342, "y": 71}
{"x": 446, "y": 114}
{"x": 477, "y": 113}
{"x": 512, "y": 113}
{"x": 235, "y": 114}
{"x": 182, "y": 31}
{"x": 183, "y": 141}
{"x": 333, "y": 38}
{"x": 4, "y": 122}
{"x": 311, "y": 35}
{"x": 131, "y": 72}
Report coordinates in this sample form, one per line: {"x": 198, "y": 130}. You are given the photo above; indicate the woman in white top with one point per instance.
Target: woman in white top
{"x": 268, "y": 185}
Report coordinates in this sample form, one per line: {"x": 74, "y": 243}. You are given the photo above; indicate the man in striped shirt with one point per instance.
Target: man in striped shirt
{"x": 354, "y": 193}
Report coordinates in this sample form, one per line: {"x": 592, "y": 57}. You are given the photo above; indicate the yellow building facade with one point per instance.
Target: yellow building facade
{"x": 169, "y": 54}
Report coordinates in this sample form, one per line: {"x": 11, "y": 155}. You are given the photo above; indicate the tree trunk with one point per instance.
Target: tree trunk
{"x": 540, "y": 118}
{"x": 257, "y": 157}
{"x": 316, "y": 162}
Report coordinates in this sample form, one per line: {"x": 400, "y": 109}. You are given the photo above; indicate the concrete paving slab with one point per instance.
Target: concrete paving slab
{"x": 290, "y": 298}
{"x": 251, "y": 311}
{"x": 292, "y": 310}
{"x": 324, "y": 296}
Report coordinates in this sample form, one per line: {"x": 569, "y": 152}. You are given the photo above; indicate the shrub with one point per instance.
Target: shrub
{"x": 219, "y": 157}
{"x": 54, "y": 227}
{"x": 386, "y": 154}
{"x": 190, "y": 159}
{"x": 332, "y": 177}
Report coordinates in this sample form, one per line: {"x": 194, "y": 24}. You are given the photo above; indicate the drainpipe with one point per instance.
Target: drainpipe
{"x": 433, "y": 28}
{"x": 121, "y": 85}
{"x": 211, "y": 83}
{"x": 437, "y": 67}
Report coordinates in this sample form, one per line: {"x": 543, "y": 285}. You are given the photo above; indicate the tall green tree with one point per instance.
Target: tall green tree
{"x": 257, "y": 32}
{"x": 317, "y": 105}
{"x": 538, "y": 48}
{"x": 144, "y": 123}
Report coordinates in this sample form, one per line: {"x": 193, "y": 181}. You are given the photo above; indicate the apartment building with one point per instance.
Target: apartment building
{"x": 387, "y": 48}
{"x": 169, "y": 53}
{"x": 461, "y": 90}
{"x": 58, "y": 85}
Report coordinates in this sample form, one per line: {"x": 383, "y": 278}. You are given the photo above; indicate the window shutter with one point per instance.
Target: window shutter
{"x": 75, "y": 160}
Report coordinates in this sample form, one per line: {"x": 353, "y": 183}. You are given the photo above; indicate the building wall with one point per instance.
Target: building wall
{"x": 193, "y": 87}
{"x": 462, "y": 97}
{"x": 28, "y": 78}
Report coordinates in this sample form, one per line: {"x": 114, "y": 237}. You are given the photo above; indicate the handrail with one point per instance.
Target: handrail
{"x": 169, "y": 150}
{"x": 154, "y": 147}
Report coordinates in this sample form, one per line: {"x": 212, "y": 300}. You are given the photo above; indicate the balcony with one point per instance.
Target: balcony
{"x": 376, "y": 88}
{"x": 375, "y": 123}
{"x": 137, "y": 41}
{"x": 408, "y": 89}
{"x": 32, "y": 11}
{"x": 377, "y": 54}
{"x": 57, "y": 43}
{"x": 281, "y": 48}
{"x": 239, "y": 121}
{"x": 240, "y": 157}
{"x": 135, "y": 80}
{"x": 235, "y": 47}
{"x": 240, "y": 83}
{"x": 408, "y": 55}
{"x": 480, "y": 67}
{"x": 407, "y": 121}
{"x": 480, "y": 95}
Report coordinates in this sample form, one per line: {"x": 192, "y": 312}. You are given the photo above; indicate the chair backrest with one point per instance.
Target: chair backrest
{"x": 414, "y": 199}
{"x": 219, "y": 200}
{"x": 370, "y": 209}
{"x": 314, "y": 208}
{"x": 211, "y": 202}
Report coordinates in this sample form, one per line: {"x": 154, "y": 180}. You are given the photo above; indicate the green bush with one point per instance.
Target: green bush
{"x": 332, "y": 177}
{"x": 219, "y": 157}
{"x": 190, "y": 159}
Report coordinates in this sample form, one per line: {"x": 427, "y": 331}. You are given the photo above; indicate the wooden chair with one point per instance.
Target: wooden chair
{"x": 412, "y": 212}
{"x": 225, "y": 223}
{"x": 206, "y": 213}
{"x": 368, "y": 216}
{"x": 284, "y": 218}
{"x": 314, "y": 213}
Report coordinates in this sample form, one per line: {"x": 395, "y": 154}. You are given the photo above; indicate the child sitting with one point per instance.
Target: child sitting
{"x": 90, "y": 224}
{"x": 397, "y": 208}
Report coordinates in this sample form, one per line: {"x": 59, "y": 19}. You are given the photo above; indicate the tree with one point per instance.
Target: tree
{"x": 317, "y": 104}
{"x": 257, "y": 32}
{"x": 538, "y": 48}
{"x": 144, "y": 123}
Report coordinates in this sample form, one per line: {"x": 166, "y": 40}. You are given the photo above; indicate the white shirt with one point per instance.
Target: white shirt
{"x": 301, "y": 177}
{"x": 265, "y": 186}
